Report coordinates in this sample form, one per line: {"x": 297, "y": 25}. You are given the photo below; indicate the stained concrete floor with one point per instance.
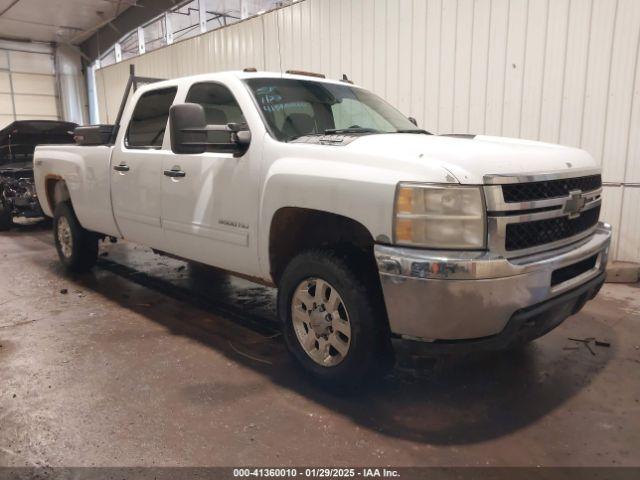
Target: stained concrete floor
{"x": 147, "y": 362}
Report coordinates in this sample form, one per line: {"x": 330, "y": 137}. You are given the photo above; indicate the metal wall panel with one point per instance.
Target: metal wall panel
{"x": 27, "y": 82}
{"x": 5, "y": 82}
{"x": 28, "y": 62}
{"x": 6, "y": 105}
{"x": 632, "y": 173}
{"x": 5, "y": 119}
{"x": 620, "y": 93}
{"x": 611, "y": 209}
{"x": 629, "y": 232}
{"x": 554, "y": 70}
{"x": 600, "y": 46}
{"x": 36, "y": 106}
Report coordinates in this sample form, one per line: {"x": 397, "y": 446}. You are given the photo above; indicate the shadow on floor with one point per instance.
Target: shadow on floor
{"x": 448, "y": 401}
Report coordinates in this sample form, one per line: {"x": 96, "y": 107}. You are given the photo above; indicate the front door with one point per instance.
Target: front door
{"x": 136, "y": 169}
{"x": 209, "y": 200}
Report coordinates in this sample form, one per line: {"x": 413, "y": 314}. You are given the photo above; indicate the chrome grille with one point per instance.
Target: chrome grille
{"x": 535, "y": 213}
{"x": 526, "y": 192}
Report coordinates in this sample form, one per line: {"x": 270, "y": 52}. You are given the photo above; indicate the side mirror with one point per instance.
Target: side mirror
{"x": 242, "y": 138}
{"x": 414, "y": 121}
{"x": 188, "y": 128}
{"x": 189, "y": 131}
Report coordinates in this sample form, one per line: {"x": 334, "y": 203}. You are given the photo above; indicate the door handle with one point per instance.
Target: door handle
{"x": 175, "y": 172}
{"x": 123, "y": 167}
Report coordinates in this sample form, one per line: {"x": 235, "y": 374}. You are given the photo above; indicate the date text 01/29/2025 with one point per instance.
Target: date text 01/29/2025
{"x": 315, "y": 472}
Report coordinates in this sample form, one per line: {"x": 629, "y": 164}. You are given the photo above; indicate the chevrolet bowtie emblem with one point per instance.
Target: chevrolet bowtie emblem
{"x": 574, "y": 204}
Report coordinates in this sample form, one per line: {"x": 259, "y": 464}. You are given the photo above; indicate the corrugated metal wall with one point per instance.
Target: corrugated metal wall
{"x": 562, "y": 71}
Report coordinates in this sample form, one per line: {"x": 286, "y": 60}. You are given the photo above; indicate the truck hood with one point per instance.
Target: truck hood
{"x": 470, "y": 158}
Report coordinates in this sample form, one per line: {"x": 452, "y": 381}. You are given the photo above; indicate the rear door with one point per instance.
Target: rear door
{"x": 136, "y": 169}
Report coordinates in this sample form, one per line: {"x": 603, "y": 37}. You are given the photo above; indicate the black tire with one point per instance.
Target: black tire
{"x": 369, "y": 342}
{"x": 81, "y": 253}
{"x": 6, "y": 219}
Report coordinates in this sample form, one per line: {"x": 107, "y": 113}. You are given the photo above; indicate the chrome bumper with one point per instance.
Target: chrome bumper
{"x": 452, "y": 295}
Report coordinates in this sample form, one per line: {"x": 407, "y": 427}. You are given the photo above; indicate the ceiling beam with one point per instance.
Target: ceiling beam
{"x": 129, "y": 3}
{"x": 41, "y": 24}
{"x": 108, "y": 32}
{"x": 110, "y": 22}
{"x": 76, "y": 49}
{"x": 8, "y": 7}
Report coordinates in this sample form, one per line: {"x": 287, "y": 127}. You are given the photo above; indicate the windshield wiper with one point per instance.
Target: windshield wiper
{"x": 333, "y": 131}
{"x": 337, "y": 131}
{"x": 304, "y": 135}
{"x": 413, "y": 130}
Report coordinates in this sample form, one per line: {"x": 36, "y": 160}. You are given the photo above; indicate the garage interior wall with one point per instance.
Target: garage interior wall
{"x": 28, "y": 88}
{"x": 41, "y": 82}
{"x": 562, "y": 71}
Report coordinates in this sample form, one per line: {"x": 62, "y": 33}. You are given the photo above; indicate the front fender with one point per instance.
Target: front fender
{"x": 362, "y": 193}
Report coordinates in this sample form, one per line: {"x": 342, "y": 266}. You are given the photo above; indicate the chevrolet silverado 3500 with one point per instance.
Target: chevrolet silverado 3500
{"x": 376, "y": 233}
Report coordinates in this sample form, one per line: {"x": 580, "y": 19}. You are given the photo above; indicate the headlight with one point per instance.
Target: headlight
{"x": 442, "y": 216}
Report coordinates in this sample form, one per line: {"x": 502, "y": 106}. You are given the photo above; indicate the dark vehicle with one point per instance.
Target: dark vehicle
{"x": 18, "y": 140}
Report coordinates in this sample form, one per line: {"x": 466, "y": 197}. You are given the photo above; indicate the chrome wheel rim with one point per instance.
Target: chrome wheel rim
{"x": 321, "y": 322}
{"x": 64, "y": 237}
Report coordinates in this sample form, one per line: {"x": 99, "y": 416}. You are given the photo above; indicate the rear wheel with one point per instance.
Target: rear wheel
{"x": 332, "y": 321}
{"x": 77, "y": 247}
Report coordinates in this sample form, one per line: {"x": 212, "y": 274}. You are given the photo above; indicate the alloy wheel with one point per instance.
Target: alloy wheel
{"x": 65, "y": 238}
{"x": 321, "y": 321}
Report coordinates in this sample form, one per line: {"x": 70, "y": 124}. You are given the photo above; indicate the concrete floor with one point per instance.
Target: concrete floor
{"x": 145, "y": 362}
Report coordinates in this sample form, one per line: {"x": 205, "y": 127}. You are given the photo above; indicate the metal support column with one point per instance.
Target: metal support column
{"x": 168, "y": 29}
{"x": 202, "y": 11}
{"x": 141, "y": 46}
{"x": 11, "y": 91}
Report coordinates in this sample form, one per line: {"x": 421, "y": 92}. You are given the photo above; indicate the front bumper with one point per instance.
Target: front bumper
{"x": 451, "y": 297}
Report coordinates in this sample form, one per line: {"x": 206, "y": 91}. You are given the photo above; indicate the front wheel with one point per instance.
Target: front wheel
{"x": 333, "y": 321}
{"x": 77, "y": 247}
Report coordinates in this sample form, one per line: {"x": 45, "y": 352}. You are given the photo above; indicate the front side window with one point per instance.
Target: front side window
{"x": 149, "y": 119}
{"x": 220, "y": 108}
{"x": 296, "y": 108}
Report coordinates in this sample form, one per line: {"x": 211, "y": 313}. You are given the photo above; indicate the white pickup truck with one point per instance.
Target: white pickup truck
{"x": 378, "y": 235}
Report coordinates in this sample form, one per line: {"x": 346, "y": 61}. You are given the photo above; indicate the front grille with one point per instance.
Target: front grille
{"x": 538, "y": 232}
{"x": 528, "y": 192}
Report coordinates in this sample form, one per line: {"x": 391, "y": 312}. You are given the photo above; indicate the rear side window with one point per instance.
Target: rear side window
{"x": 149, "y": 119}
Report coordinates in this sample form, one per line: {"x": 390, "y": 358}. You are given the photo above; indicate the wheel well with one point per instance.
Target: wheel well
{"x": 294, "y": 230}
{"x": 57, "y": 192}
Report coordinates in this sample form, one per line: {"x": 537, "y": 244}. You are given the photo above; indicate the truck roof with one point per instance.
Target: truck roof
{"x": 237, "y": 74}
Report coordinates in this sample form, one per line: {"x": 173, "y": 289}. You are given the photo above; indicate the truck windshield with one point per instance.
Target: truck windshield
{"x": 298, "y": 108}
